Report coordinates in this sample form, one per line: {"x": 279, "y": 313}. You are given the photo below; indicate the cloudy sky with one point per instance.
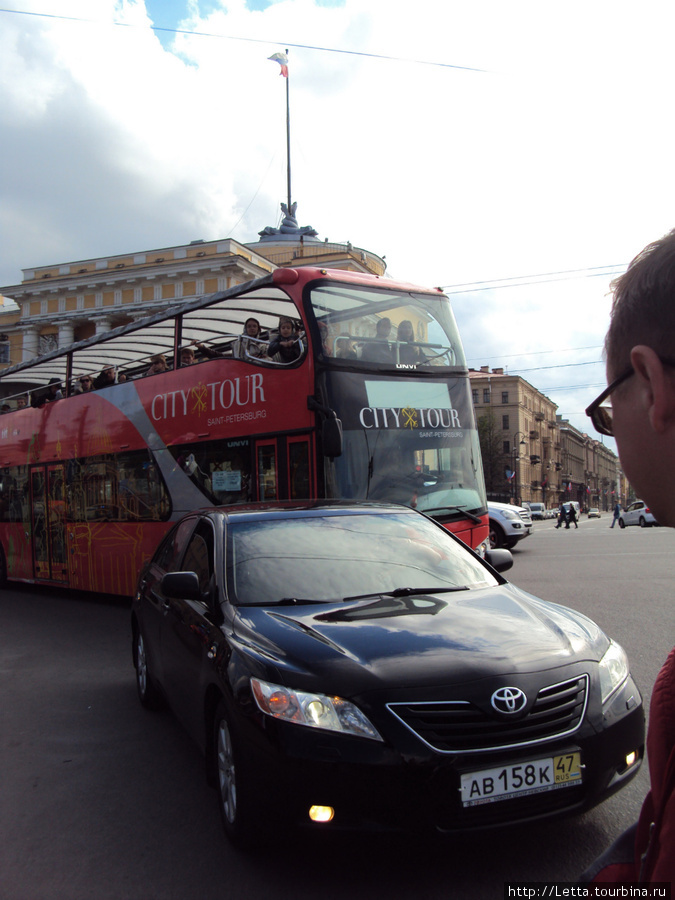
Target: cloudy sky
{"x": 518, "y": 154}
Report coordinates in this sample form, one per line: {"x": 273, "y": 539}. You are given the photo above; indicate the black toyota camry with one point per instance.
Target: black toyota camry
{"x": 356, "y": 666}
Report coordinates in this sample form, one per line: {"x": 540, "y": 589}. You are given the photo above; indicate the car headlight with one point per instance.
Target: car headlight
{"x": 510, "y": 514}
{"x": 613, "y": 670}
{"x": 313, "y": 710}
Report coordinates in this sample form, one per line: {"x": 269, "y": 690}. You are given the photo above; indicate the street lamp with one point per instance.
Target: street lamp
{"x": 516, "y": 459}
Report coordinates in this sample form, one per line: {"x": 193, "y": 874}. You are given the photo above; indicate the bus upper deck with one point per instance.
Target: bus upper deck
{"x": 371, "y": 402}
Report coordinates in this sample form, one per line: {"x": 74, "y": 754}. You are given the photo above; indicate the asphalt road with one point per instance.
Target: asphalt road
{"x": 100, "y": 799}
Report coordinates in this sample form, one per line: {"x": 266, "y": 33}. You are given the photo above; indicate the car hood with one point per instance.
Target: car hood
{"x": 429, "y": 639}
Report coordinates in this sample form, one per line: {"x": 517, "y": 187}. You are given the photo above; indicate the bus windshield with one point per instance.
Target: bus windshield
{"x": 392, "y": 328}
{"x": 410, "y": 442}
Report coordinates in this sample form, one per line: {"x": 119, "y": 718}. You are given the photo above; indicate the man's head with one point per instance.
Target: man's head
{"x": 383, "y": 327}
{"x": 640, "y": 348}
{"x": 187, "y": 356}
{"x": 643, "y": 309}
{"x": 109, "y": 374}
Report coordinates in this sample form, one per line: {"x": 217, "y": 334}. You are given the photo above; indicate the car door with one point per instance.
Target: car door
{"x": 191, "y": 633}
{"x": 151, "y": 610}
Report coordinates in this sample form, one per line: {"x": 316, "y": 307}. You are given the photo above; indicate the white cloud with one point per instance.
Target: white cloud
{"x": 555, "y": 157}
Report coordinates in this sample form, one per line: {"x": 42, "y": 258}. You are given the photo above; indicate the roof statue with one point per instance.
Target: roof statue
{"x": 289, "y": 230}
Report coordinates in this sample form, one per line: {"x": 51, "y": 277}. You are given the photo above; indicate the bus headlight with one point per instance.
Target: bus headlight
{"x": 312, "y": 710}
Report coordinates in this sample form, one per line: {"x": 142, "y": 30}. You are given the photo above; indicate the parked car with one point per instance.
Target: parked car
{"x": 593, "y": 513}
{"x": 637, "y": 513}
{"x": 357, "y": 666}
{"x": 508, "y": 524}
{"x": 537, "y": 510}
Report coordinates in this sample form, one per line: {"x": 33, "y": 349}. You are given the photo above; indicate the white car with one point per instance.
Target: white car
{"x": 508, "y": 524}
{"x": 638, "y": 513}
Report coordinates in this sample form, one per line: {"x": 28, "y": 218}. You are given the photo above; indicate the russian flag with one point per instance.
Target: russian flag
{"x": 282, "y": 59}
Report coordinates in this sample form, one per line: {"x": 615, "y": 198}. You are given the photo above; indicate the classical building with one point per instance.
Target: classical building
{"x": 67, "y": 302}
{"x": 530, "y": 453}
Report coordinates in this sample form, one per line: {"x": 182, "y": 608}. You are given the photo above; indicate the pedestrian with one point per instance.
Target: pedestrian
{"x": 640, "y": 354}
{"x": 617, "y": 513}
{"x": 562, "y": 518}
{"x": 572, "y": 517}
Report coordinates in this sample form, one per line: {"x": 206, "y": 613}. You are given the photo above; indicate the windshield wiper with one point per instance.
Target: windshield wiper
{"x": 409, "y": 592}
{"x": 460, "y": 509}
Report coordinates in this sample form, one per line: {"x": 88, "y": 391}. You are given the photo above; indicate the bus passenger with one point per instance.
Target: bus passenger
{"x": 157, "y": 364}
{"x": 284, "y": 348}
{"x": 187, "y": 356}
{"x": 5, "y": 408}
{"x": 345, "y": 348}
{"x": 379, "y": 350}
{"x": 54, "y": 391}
{"x": 244, "y": 347}
{"x": 408, "y": 352}
{"x": 21, "y": 402}
{"x": 85, "y": 386}
{"x": 107, "y": 377}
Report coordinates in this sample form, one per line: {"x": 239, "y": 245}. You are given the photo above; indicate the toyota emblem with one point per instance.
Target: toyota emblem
{"x": 508, "y": 700}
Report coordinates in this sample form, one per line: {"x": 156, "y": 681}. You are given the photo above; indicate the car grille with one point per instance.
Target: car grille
{"x": 460, "y": 726}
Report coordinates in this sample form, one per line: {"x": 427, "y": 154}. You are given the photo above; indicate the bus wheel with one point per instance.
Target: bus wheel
{"x": 147, "y": 692}
{"x": 234, "y": 784}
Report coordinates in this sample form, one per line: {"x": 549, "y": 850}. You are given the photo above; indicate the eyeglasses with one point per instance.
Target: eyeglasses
{"x": 602, "y": 416}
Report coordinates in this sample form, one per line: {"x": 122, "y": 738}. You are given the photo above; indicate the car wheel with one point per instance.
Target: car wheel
{"x": 622, "y": 524}
{"x": 147, "y": 692}
{"x": 496, "y": 536}
{"x": 643, "y": 523}
{"x": 234, "y": 784}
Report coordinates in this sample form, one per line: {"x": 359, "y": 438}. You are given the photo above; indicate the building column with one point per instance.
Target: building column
{"x": 30, "y": 344}
{"x": 66, "y": 334}
{"x": 102, "y": 324}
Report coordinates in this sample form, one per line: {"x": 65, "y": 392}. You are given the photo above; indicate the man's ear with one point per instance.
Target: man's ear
{"x": 656, "y": 386}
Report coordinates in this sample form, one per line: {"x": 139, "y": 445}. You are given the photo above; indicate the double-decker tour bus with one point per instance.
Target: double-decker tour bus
{"x": 345, "y": 386}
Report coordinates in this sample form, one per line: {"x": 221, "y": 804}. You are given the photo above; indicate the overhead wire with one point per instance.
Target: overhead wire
{"x": 228, "y": 37}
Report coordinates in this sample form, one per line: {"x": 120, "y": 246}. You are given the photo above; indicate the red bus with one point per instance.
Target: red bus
{"x": 369, "y": 399}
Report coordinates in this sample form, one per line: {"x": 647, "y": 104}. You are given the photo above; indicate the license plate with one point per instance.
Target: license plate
{"x": 534, "y": 777}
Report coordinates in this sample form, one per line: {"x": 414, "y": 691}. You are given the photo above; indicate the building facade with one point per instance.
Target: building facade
{"x": 530, "y": 453}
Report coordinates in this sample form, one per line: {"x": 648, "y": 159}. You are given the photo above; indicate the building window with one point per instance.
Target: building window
{"x": 505, "y": 396}
{"x": 474, "y": 395}
{"x": 506, "y": 448}
{"x": 486, "y": 395}
{"x": 505, "y": 423}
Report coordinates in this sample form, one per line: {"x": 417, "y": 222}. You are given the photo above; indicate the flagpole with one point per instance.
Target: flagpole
{"x": 288, "y": 142}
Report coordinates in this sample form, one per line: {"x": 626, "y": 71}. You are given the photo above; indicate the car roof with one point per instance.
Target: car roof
{"x": 299, "y": 509}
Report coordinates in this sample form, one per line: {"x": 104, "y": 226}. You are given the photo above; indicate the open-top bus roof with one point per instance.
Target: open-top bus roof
{"x": 205, "y": 319}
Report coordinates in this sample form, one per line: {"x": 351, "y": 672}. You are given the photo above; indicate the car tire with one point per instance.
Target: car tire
{"x": 496, "y": 536}
{"x": 145, "y": 686}
{"x": 643, "y": 522}
{"x": 622, "y": 524}
{"x": 234, "y": 784}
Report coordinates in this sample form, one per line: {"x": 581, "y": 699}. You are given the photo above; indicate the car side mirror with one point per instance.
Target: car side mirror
{"x": 500, "y": 560}
{"x": 181, "y": 586}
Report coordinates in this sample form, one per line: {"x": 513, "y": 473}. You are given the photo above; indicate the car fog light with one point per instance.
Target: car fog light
{"x": 321, "y": 813}
{"x": 630, "y": 759}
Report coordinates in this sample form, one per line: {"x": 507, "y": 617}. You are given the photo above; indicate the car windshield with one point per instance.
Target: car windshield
{"x": 331, "y": 557}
